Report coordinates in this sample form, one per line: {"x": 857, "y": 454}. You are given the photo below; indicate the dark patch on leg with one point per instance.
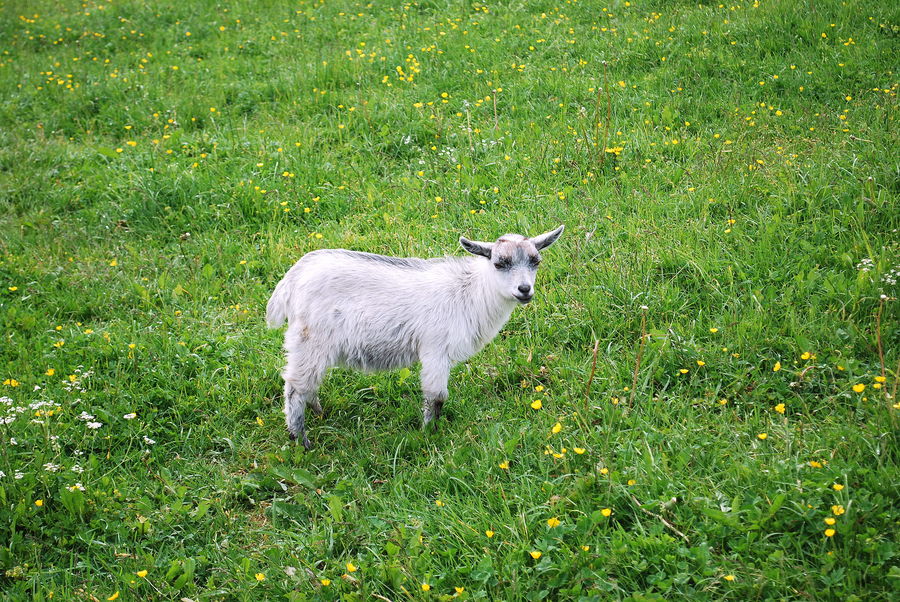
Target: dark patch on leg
{"x": 438, "y": 408}
{"x": 296, "y": 418}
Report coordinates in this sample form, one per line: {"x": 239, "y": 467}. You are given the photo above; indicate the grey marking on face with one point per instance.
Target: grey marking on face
{"x": 513, "y": 251}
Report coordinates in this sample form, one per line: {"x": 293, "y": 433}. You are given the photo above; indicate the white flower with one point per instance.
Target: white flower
{"x": 94, "y": 425}
{"x": 19, "y": 474}
{"x": 2, "y": 474}
{"x": 148, "y": 440}
{"x": 51, "y": 467}
{"x": 78, "y": 486}
{"x": 130, "y": 416}
{"x": 85, "y": 416}
{"x": 77, "y": 469}
{"x": 12, "y": 441}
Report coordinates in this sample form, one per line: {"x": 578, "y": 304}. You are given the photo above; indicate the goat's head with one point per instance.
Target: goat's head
{"x": 515, "y": 260}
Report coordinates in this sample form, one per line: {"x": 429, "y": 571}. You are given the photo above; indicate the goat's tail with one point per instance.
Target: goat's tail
{"x": 276, "y": 309}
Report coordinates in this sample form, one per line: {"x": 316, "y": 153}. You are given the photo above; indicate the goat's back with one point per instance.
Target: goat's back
{"x": 338, "y": 282}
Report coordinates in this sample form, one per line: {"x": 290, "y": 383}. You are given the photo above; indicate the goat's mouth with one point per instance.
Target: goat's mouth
{"x": 523, "y": 299}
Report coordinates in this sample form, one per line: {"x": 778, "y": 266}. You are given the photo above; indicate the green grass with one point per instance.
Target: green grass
{"x": 728, "y": 167}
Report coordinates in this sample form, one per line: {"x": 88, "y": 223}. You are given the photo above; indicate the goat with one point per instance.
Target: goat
{"x": 374, "y": 312}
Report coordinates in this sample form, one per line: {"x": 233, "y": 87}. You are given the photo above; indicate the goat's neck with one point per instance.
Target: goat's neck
{"x": 486, "y": 308}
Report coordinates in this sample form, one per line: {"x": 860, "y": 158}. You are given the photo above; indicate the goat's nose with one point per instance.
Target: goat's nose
{"x": 524, "y": 288}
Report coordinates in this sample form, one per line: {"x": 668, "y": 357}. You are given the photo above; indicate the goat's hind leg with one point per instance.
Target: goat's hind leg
{"x": 434, "y": 376}
{"x": 295, "y": 413}
{"x": 302, "y": 376}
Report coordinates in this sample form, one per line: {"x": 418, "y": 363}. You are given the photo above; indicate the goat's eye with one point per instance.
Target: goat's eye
{"x": 501, "y": 265}
{"x": 534, "y": 262}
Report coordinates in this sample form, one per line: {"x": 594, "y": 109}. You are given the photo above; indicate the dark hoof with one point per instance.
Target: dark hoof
{"x": 304, "y": 441}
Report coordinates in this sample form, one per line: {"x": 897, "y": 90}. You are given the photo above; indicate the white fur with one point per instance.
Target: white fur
{"x": 371, "y": 312}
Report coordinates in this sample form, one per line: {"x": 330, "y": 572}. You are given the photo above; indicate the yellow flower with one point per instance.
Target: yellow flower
{"x": 459, "y": 590}
{"x": 776, "y": 367}
{"x": 260, "y": 577}
{"x": 50, "y": 372}
{"x": 606, "y": 512}
{"x": 115, "y": 596}
{"x": 837, "y": 486}
{"x": 579, "y": 450}
{"x": 830, "y": 521}
{"x": 684, "y": 370}
{"x": 815, "y": 464}
{"x": 806, "y": 355}
{"x": 535, "y": 554}
{"x": 553, "y": 522}
{"x": 539, "y": 388}
{"x": 829, "y": 532}
{"x": 142, "y": 573}
{"x": 701, "y": 363}
{"x": 325, "y": 582}
{"x": 631, "y": 482}
{"x": 880, "y": 379}
{"x": 38, "y": 503}
{"x": 837, "y": 510}
{"x": 537, "y": 404}
{"x": 259, "y": 421}
{"x": 762, "y": 436}
{"x": 585, "y": 548}
{"x": 728, "y": 577}
{"x": 859, "y": 388}
{"x": 425, "y": 587}
{"x": 556, "y": 428}
{"x": 714, "y": 330}
{"x": 504, "y": 465}
{"x": 438, "y": 503}
{"x": 489, "y": 533}
{"x": 351, "y": 568}
{"x": 780, "y": 408}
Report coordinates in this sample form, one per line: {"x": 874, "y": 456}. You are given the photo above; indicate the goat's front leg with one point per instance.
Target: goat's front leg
{"x": 435, "y": 374}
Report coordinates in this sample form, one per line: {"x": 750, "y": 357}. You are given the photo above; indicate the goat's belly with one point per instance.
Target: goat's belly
{"x": 372, "y": 358}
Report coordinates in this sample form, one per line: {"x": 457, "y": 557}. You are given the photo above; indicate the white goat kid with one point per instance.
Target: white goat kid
{"x": 372, "y": 312}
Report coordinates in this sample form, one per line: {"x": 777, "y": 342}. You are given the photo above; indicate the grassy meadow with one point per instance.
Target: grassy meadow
{"x": 700, "y": 402}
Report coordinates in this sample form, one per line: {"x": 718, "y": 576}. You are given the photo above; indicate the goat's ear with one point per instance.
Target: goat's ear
{"x": 475, "y": 247}
{"x": 546, "y": 239}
